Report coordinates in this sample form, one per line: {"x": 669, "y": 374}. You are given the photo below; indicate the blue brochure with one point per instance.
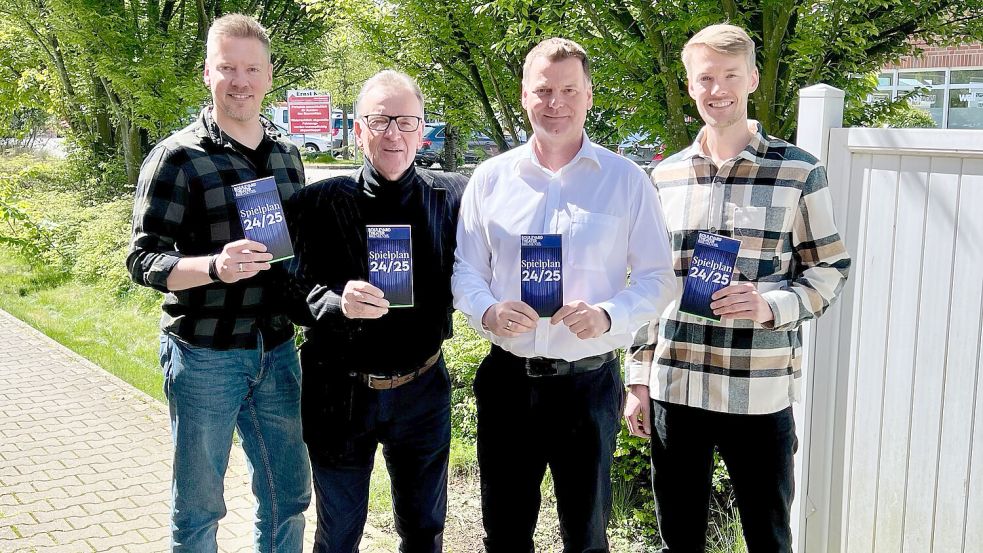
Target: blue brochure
{"x": 261, "y": 215}
{"x": 710, "y": 269}
{"x": 541, "y": 272}
{"x": 391, "y": 262}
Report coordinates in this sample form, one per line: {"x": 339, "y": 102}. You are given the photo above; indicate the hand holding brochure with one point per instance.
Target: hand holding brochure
{"x": 261, "y": 215}
{"x": 710, "y": 269}
{"x": 541, "y": 272}
{"x": 391, "y": 262}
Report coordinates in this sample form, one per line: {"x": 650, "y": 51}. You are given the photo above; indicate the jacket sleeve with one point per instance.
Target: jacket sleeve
{"x": 159, "y": 212}
{"x": 821, "y": 261}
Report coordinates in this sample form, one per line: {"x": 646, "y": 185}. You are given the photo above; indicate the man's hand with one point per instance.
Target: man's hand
{"x": 361, "y": 300}
{"x": 240, "y": 260}
{"x": 638, "y": 411}
{"x": 509, "y": 319}
{"x": 741, "y": 301}
{"x": 583, "y": 319}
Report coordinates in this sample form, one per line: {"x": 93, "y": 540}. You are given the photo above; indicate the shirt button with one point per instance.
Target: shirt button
{"x": 713, "y": 230}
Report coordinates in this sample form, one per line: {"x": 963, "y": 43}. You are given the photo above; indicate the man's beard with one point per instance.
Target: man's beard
{"x": 242, "y": 115}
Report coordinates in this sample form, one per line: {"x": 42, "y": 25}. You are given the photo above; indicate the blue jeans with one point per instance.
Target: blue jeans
{"x": 211, "y": 392}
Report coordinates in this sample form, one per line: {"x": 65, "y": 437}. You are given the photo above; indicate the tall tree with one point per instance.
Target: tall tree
{"x": 470, "y": 52}
{"x": 127, "y": 73}
{"x": 347, "y": 66}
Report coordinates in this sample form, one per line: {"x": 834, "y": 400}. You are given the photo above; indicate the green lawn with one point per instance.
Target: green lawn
{"x": 119, "y": 336}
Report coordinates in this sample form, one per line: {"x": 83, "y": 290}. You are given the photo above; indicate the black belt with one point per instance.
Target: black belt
{"x": 377, "y": 382}
{"x": 542, "y": 366}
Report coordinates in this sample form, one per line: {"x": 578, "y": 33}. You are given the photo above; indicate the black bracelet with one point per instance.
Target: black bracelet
{"x": 212, "y": 269}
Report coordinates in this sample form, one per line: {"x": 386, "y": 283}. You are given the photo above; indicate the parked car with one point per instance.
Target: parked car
{"x": 306, "y": 142}
{"x": 431, "y": 150}
{"x": 643, "y": 150}
{"x": 336, "y": 127}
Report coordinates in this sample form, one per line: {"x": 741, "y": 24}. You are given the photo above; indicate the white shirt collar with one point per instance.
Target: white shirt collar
{"x": 586, "y": 151}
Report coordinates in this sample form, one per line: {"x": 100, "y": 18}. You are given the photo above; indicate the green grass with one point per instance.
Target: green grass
{"x": 121, "y": 336}
{"x": 118, "y": 335}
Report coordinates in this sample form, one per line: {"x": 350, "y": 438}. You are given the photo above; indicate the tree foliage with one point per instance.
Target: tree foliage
{"x": 469, "y": 53}
{"x": 123, "y": 74}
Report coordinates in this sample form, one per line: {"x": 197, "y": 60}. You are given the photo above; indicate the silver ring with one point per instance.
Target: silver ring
{"x": 508, "y": 325}
{"x": 240, "y": 267}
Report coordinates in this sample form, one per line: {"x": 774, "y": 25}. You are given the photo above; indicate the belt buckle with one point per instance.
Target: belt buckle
{"x": 536, "y": 368}
{"x": 376, "y": 382}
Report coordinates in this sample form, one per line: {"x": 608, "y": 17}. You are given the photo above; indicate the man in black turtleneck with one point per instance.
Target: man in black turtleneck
{"x": 374, "y": 374}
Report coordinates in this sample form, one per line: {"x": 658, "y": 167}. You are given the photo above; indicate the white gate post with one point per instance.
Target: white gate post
{"x": 820, "y": 109}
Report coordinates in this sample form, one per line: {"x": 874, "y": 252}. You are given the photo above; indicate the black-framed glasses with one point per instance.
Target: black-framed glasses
{"x": 379, "y": 122}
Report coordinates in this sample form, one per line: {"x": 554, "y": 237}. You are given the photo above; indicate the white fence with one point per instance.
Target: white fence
{"x": 892, "y": 425}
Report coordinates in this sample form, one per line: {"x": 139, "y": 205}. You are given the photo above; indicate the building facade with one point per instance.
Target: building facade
{"x": 952, "y": 79}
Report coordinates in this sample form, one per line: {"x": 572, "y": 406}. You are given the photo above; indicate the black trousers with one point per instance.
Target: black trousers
{"x": 412, "y": 423}
{"x": 757, "y": 450}
{"x": 569, "y": 423}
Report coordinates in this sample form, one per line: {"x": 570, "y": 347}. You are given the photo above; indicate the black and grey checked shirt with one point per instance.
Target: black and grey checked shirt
{"x": 183, "y": 208}
{"x": 773, "y": 197}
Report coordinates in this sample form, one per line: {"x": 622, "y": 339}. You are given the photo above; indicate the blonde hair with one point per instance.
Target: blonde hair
{"x": 722, "y": 38}
{"x": 557, "y": 49}
{"x": 237, "y": 25}
{"x": 391, "y": 79}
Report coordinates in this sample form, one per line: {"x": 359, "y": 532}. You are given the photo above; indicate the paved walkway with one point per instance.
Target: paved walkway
{"x": 85, "y": 459}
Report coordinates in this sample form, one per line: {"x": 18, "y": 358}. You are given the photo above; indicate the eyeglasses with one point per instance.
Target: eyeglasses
{"x": 380, "y": 123}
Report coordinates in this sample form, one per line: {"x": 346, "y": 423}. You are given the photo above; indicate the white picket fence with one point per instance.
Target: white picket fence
{"x": 891, "y": 427}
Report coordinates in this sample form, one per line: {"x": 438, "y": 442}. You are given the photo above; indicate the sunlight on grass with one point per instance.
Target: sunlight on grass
{"x": 119, "y": 336}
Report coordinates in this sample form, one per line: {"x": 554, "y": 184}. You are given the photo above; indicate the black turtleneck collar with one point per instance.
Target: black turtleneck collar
{"x": 377, "y": 186}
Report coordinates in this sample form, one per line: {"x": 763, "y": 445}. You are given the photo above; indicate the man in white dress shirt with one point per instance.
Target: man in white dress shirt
{"x": 550, "y": 391}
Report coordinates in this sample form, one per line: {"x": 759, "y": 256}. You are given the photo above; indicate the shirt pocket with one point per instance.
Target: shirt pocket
{"x": 762, "y": 232}
{"x": 592, "y": 240}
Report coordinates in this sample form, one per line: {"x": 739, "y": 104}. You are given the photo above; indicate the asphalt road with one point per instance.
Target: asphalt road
{"x": 316, "y": 173}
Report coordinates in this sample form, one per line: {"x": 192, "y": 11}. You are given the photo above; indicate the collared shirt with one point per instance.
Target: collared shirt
{"x": 773, "y": 198}
{"x": 184, "y": 207}
{"x": 609, "y": 216}
{"x": 328, "y": 223}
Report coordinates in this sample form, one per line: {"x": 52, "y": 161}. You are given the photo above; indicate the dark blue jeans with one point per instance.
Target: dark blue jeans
{"x": 412, "y": 423}
{"x": 569, "y": 423}
{"x": 757, "y": 450}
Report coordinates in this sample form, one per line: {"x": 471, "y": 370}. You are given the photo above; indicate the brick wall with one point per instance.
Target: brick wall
{"x": 970, "y": 55}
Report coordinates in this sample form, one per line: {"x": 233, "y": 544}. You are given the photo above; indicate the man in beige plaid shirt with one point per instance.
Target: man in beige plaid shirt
{"x": 697, "y": 384}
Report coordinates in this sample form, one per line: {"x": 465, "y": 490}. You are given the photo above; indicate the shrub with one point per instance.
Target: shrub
{"x": 463, "y": 353}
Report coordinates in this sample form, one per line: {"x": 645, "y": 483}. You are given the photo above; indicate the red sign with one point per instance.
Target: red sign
{"x": 310, "y": 111}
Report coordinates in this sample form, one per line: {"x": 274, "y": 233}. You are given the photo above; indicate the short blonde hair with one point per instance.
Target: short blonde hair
{"x": 557, "y": 49}
{"x": 237, "y": 25}
{"x": 391, "y": 79}
{"x": 722, "y": 38}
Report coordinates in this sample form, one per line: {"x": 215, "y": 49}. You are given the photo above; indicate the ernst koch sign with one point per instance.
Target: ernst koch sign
{"x": 310, "y": 111}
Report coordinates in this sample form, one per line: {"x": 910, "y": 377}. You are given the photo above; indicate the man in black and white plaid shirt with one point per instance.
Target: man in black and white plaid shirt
{"x": 697, "y": 384}
{"x": 226, "y": 348}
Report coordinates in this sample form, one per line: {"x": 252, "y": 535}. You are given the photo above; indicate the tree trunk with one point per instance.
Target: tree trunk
{"x": 448, "y": 160}
{"x": 132, "y": 152}
{"x": 344, "y": 131}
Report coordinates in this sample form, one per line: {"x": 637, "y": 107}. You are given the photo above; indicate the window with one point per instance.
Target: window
{"x": 928, "y": 100}
{"x": 953, "y": 97}
{"x": 966, "y": 107}
{"x": 966, "y": 77}
{"x": 921, "y": 78}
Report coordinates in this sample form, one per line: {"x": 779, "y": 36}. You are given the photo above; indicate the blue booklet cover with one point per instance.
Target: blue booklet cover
{"x": 261, "y": 215}
{"x": 391, "y": 262}
{"x": 710, "y": 269}
{"x": 541, "y": 272}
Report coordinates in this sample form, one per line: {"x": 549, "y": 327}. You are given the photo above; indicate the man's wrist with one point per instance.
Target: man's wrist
{"x": 607, "y": 316}
{"x": 212, "y": 269}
